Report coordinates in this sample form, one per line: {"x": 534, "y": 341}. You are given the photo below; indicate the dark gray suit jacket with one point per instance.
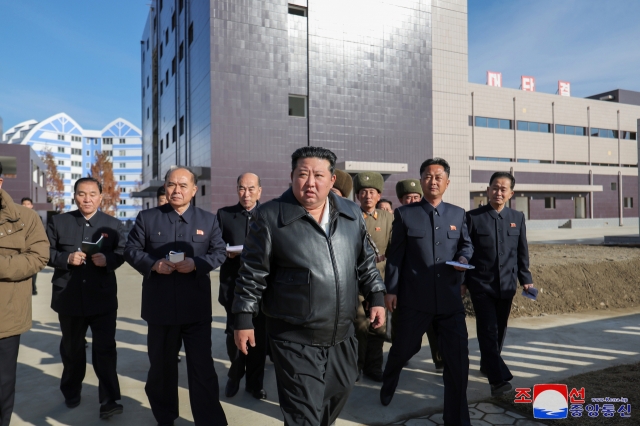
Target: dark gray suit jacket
{"x": 421, "y": 242}
{"x": 501, "y": 253}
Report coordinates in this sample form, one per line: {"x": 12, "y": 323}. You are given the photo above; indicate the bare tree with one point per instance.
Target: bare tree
{"x": 55, "y": 184}
{"x": 102, "y": 170}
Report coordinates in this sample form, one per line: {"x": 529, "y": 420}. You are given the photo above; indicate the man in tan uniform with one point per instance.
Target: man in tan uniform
{"x": 368, "y": 188}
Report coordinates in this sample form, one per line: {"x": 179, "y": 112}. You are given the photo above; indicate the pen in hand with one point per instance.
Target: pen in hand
{"x": 84, "y": 261}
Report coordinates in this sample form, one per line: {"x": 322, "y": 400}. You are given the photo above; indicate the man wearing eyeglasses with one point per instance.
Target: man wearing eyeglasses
{"x": 234, "y": 223}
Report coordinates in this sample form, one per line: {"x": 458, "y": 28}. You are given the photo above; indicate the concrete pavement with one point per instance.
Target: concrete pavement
{"x": 538, "y": 350}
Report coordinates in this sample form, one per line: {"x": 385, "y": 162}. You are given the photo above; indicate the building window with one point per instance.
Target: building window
{"x": 181, "y": 125}
{"x": 123, "y": 141}
{"x": 167, "y": 139}
{"x": 60, "y": 163}
{"x": 95, "y": 141}
{"x": 297, "y": 10}
{"x": 147, "y": 159}
{"x": 166, "y": 78}
{"x": 166, "y": 36}
{"x": 180, "y": 5}
{"x": 628, "y": 202}
{"x": 122, "y": 189}
{"x": 549, "y": 202}
{"x": 173, "y": 66}
{"x": 107, "y": 141}
{"x": 123, "y": 177}
{"x": 76, "y": 139}
{"x": 161, "y": 88}
{"x": 60, "y": 137}
{"x": 297, "y": 106}
{"x": 76, "y": 164}
{"x": 122, "y": 153}
{"x": 122, "y": 214}
{"x": 614, "y": 186}
{"x": 108, "y": 152}
{"x": 174, "y": 132}
{"x": 161, "y": 51}
{"x": 123, "y": 202}
{"x": 87, "y": 165}
{"x": 61, "y": 149}
{"x": 203, "y": 191}
{"x": 88, "y": 153}
{"x": 181, "y": 51}
{"x": 123, "y": 165}
{"x": 73, "y": 201}
{"x": 494, "y": 123}
{"x": 190, "y": 33}
{"x": 528, "y": 126}
{"x": 173, "y": 21}
{"x": 161, "y": 4}
{"x": 161, "y": 146}
{"x": 147, "y": 44}
{"x": 571, "y": 130}
{"x": 147, "y": 82}
{"x": 604, "y": 133}
{"x": 75, "y": 175}
{"x": 628, "y": 135}
{"x": 147, "y": 113}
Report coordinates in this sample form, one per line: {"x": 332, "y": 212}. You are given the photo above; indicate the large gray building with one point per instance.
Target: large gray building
{"x": 230, "y": 87}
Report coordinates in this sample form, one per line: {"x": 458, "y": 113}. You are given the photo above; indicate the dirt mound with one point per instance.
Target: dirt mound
{"x": 574, "y": 278}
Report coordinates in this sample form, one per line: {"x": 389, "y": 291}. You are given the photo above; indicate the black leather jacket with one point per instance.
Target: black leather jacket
{"x": 308, "y": 282}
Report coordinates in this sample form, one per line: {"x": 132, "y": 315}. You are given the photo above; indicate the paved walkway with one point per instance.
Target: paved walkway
{"x": 538, "y": 350}
{"x": 578, "y": 235}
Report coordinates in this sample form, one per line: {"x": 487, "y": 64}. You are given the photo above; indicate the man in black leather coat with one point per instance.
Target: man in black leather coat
{"x": 304, "y": 260}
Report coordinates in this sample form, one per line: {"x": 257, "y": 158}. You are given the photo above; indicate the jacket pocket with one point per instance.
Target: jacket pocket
{"x": 513, "y": 232}
{"x": 293, "y": 292}
{"x": 453, "y": 234}
{"x": 199, "y": 239}
{"x": 416, "y": 232}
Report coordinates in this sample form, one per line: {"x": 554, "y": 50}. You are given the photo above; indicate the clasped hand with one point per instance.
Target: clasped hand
{"x": 163, "y": 266}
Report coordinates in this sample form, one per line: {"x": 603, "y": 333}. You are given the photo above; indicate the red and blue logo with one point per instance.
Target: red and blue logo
{"x": 550, "y": 401}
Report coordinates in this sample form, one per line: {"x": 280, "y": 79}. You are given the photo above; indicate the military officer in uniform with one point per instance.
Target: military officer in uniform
{"x": 343, "y": 184}
{"x": 501, "y": 258}
{"x": 234, "y": 223}
{"x": 176, "y": 298}
{"x": 85, "y": 293}
{"x": 368, "y": 187}
{"x": 385, "y": 204}
{"x": 425, "y": 236}
{"x": 409, "y": 191}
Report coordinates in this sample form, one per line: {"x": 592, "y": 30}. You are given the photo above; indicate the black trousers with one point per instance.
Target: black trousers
{"x": 252, "y": 364}
{"x": 8, "y": 363}
{"x": 431, "y": 336}
{"x": 492, "y": 315}
{"x": 103, "y": 354}
{"x": 453, "y": 343}
{"x": 163, "y": 344}
{"x": 314, "y": 382}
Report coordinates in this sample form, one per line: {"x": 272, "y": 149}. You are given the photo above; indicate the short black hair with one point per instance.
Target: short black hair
{"x": 26, "y": 199}
{"x": 87, "y": 179}
{"x": 435, "y": 161}
{"x": 314, "y": 152}
{"x": 194, "y": 178}
{"x": 259, "y": 181}
{"x": 498, "y": 175}
{"x": 161, "y": 191}
{"x": 384, "y": 200}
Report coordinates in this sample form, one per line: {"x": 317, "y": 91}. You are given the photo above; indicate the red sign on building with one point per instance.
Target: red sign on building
{"x": 528, "y": 84}
{"x": 494, "y": 79}
{"x": 564, "y": 88}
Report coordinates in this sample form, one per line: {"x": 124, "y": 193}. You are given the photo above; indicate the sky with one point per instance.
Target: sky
{"x": 83, "y": 57}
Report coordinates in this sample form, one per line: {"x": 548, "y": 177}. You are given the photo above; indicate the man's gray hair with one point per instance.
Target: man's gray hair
{"x": 194, "y": 178}
{"x": 249, "y": 173}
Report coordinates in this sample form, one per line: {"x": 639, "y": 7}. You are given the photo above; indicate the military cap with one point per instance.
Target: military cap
{"x": 368, "y": 180}
{"x": 408, "y": 186}
{"x": 343, "y": 182}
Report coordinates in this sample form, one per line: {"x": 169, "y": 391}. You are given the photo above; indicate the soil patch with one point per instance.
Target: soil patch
{"x": 574, "y": 278}
{"x": 621, "y": 381}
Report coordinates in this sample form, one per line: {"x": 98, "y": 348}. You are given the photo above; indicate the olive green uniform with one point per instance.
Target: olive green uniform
{"x": 370, "y": 341}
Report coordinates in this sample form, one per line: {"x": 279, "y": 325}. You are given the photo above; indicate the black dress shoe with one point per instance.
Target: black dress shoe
{"x": 501, "y": 388}
{"x": 258, "y": 394}
{"x": 386, "y": 395}
{"x": 376, "y": 376}
{"x": 73, "y": 402}
{"x": 110, "y": 409}
{"x": 232, "y": 388}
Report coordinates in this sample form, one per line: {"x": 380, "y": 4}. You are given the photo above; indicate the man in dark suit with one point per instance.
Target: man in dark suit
{"x": 427, "y": 291}
{"x": 234, "y": 223}
{"x": 85, "y": 293}
{"x": 176, "y": 298}
{"x": 501, "y": 258}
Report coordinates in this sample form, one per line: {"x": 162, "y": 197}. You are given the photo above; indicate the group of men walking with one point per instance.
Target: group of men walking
{"x": 312, "y": 286}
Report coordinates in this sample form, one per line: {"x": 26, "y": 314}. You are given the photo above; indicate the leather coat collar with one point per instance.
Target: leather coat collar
{"x": 291, "y": 210}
